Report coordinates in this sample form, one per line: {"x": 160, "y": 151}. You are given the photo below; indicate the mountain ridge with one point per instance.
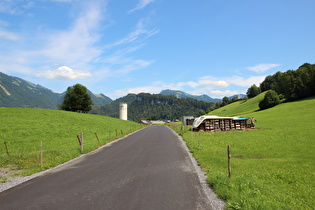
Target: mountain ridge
{"x": 20, "y": 93}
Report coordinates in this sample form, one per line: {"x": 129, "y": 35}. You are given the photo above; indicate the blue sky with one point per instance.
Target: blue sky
{"x": 115, "y": 47}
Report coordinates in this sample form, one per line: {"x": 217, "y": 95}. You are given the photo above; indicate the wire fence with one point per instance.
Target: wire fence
{"x": 45, "y": 153}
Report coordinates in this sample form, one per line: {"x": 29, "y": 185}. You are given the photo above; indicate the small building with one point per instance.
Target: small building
{"x": 216, "y": 123}
{"x": 188, "y": 120}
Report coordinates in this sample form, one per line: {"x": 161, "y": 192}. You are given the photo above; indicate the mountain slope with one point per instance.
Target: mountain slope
{"x": 19, "y": 93}
{"x": 16, "y": 92}
{"x": 181, "y": 94}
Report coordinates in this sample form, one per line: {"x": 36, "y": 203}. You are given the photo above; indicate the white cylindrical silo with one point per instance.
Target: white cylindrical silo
{"x": 123, "y": 111}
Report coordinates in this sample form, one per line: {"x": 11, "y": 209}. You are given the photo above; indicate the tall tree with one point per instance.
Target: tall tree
{"x": 77, "y": 99}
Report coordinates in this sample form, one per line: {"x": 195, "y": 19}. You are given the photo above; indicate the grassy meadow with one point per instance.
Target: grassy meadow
{"x": 273, "y": 166}
{"x": 23, "y": 129}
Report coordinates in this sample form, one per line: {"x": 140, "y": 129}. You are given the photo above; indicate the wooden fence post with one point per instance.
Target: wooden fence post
{"x": 198, "y": 139}
{"x": 229, "y": 161}
{"x": 41, "y": 154}
{"x": 97, "y": 138}
{"x": 80, "y": 142}
{"x": 81, "y": 137}
{"x": 6, "y": 148}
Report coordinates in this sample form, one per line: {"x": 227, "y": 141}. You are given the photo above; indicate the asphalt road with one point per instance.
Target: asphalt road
{"x": 146, "y": 170}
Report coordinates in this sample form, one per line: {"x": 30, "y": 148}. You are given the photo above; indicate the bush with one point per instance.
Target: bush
{"x": 271, "y": 99}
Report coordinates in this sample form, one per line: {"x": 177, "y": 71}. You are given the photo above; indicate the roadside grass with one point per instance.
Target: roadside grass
{"x": 23, "y": 129}
{"x": 273, "y": 166}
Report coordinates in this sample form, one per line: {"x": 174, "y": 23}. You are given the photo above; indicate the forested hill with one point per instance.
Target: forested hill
{"x": 16, "y": 92}
{"x": 154, "y": 107}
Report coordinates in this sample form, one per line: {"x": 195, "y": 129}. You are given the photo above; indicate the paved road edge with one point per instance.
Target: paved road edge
{"x": 19, "y": 180}
{"x": 215, "y": 202}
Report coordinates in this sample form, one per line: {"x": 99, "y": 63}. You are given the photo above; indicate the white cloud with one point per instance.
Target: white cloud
{"x": 141, "y": 32}
{"x": 190, "y": 84}
{"x": 14, "y": 7}
{"x": 133, "y": 65}
{"x": 141, "y": 4}
{"x": 64, "y": 73}
{"x": 8, "y": 35}
{"x": 245, "y": 82}
{"x": 260, "y": 68}
{"x": 76, "y": 46}
{"x": 213, "y": 82}
{"x": 136, "y": 90}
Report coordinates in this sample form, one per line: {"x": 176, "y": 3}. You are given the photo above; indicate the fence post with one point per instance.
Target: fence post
{"x": 198, "y": 139}
{"x": 6, "y": 148}
{"x": 41, "y": 154}
{"x": 80, "y": 142}
{"x": 229, "y": 161}
{"x": 97, "y": 138}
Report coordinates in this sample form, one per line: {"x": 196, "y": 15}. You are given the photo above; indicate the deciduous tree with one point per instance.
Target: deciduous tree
{"x": 77, "y": 99}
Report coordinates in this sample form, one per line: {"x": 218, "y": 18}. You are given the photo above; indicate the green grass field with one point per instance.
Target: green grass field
{"x": 24, "y": 129}
{"x": 273, "y": 166}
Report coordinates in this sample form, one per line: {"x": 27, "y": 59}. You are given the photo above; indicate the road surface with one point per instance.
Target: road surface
{"x": 149, "y": 169}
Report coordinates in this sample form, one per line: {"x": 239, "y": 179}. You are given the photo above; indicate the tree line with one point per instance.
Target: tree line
{"x": 286, "y": 86}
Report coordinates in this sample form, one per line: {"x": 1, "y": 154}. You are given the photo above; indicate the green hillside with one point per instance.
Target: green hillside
{"x": 22, "y": 129}
{"x": 239, "y": 108}
{"x": 273, "y": 166}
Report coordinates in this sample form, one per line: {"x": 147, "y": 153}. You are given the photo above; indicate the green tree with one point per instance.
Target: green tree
{"x": 253, "y": 91}
{"x": 77, "y": 99}
{"x": 271, "y": 99}
{"x": 225, "y": 101}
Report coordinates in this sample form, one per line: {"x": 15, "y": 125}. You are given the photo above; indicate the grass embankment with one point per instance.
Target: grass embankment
{"x": 23, "y": 129}
{"x": 273, "y": 166}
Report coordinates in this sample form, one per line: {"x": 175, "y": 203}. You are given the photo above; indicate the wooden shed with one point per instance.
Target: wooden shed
{"x": 216, "y": 123}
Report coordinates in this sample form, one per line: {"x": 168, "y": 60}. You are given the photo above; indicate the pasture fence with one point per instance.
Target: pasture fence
{"x": 46, "y": 153}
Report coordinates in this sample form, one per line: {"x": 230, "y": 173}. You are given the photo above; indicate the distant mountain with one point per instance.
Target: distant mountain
{"x": 16, "y": 92}
{"x": 181, "y": 94}
{"x": 240, "y": 96}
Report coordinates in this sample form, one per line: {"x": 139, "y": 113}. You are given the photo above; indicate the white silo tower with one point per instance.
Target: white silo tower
{"x": 123, "y": 111}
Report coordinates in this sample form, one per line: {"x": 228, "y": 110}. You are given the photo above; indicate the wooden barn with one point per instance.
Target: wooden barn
{"x": 216, "y": 123}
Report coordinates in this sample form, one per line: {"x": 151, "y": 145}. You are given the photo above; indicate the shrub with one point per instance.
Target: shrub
{"x": 271, "y": 99}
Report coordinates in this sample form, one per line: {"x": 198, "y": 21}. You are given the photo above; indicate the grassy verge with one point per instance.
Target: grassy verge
{"x": 23, "y": 129}
{"x": 273, "y": 166}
